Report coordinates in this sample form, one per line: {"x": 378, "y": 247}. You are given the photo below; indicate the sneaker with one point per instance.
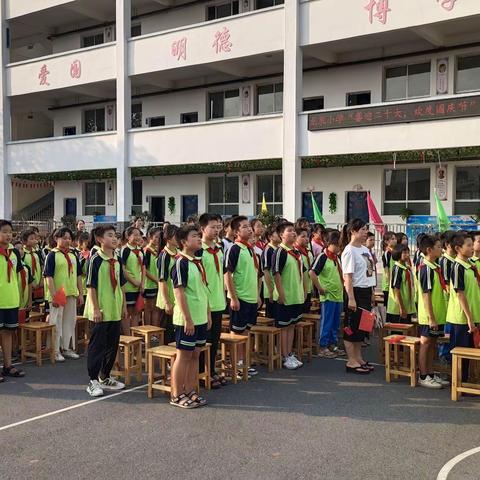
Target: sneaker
{"x": 71, "y": 354}
{"x": 59, "y": 357}
{"x": 429, "y": 382}
{"x": 251, "y": 371}
{"x": 111, "y": 383}
{"x": 295, "y": 360}
{"x": 94, "y": 389}
{"x": 337, "y": 351}
{"x": 289, "y": 364}
{"x": 240, "y": 376}
{"x": 326, "y": 353}
{"x": 441, "y": 381}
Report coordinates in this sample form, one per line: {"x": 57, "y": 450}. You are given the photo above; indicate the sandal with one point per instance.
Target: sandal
{"x": 358, "y": 370}
{"x": 195, "y": 397}
{"x": 215, "y": 383}
{"x": 12, "y": 372}
{"x": 367, "y": 366}
{"x": 182, "y": 401}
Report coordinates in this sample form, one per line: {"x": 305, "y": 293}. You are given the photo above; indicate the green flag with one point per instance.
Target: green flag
{"x": 317, "y": 215}
{"x": 442, "y": 218}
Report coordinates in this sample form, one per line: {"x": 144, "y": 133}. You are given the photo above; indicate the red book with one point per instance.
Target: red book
{"x": 140, "y": 303}
{"x": 367, "y": 321}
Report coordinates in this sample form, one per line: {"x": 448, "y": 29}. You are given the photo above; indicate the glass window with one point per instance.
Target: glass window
{"x": 95, "y": 198}
{"x": 407, "y": 81}
{"x": 137, "y": 115}
{"x": 156, "y": 121}
{"x": 223, "y": 195}
{"x": 69, "y": 131}
{"x": 224, "y": 104}
{"x": 267, "y": 3}
{"x": 407, "y": 189}
{"x": 191, "y": 117}
{"x": 418, "y": 84}
{"x": 92, "y": 40}
{"x": 271, "y": 186}
{"x": 94, "y": 120}
{"x": 270, "y": 98}
{"x": 358, "y": 98}
{"x": 467, "y": 191}
{"x": 222, "y": 10}
{"x": 468, "y": 74}
{"x": 136, "y": 30}
{"x": 314, "y": 103}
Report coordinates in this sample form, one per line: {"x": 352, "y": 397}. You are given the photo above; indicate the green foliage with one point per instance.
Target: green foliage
{"x": 332, "y": 203}
{"x": 171, "y": 205}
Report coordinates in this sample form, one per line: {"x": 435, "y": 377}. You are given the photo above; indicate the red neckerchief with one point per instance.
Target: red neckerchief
{"x": 85, "y": 254}
{"x": 476, "y": 272}
{"x": 66, "y": 254}
{"x": 297, "y": 256}
{"x": 34, "y": 262}
{"x": 137, "y": 252}
{"x": 214, "y": 251}
{"x": 334, "y": 257}
{"x": 113, "y": 277}
{"x": 319, "y": 243}
{"x": 251, "y": 250}
{"x": 260, "y": 244}
{"x": 441, "y": 278}
{"x": 5, "y": 252}
{"x": 23, "y": 278}
{"x": 198, "y": 263}
{"x": 408, "y": 276}
{"x": 304, "y": 252}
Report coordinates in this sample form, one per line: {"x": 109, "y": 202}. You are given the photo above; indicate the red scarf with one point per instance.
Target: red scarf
{"x": 85, "y": 254}
{"x": 319, "y": 243}
{"x": 304, "y": 252}
{"x": 137, "y": 252}
{"x": 408, "y": 276}
{"x": 23, "y": 278}
{"x": 251, "y": 250}
{"x": 34, "y": 263}
{"x": 113, "y": 277}
{"x": 298, "y": 258}
{"x": 66, "y": 254}
{"x": 198, "y": 263}
{"x": 441, "y": 278}
{"x": 5, "y": 252}
{"x": 477, "y": 273}
{"x": 214, "y": 251}
{"x": 260, "y": 244}
{"x": 334, "y": 257}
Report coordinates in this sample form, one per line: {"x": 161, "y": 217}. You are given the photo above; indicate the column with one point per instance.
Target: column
{"x": 5, "y": 181}
{"x": 292, "y": 98}
{"x": 124, "y": 101}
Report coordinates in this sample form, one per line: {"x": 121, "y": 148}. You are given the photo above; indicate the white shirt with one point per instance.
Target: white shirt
{"x": 359, "y": 262}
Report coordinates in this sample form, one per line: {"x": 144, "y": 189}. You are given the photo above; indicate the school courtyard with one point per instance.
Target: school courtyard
{"x": 314, "y": 423}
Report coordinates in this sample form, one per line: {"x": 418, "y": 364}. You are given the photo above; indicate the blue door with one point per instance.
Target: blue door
{"x": 189, "y": 206}
{"x": 71, "y": 207}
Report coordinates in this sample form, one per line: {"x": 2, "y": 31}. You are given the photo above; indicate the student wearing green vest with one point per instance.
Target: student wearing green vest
{"x": 83, "y": 257}
{"x": 25, "y": 280}
{"x": 301, "y": 245}
{"x": 62, "y": 271}
{"x": 401, "y": 300}
{"x": 31, "y": 258}
{"x": 212, "y": 260}
{"x": 10, "y": 288}
{"x": 389, "y": 242}
{"x": 432, "y": 309}
{"x": 288, "y": 273}
{"x": 105, "y": 307}
{"x": 191, "y": 317}
{"x": 165, "y": 297}
{"x": 463, "y": 313}
{"x": 270, "y": 293}
{"x": 150, "y": 257}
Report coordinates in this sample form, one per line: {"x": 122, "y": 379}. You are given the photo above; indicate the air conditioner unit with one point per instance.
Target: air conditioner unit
{"x": 109, "y": 34}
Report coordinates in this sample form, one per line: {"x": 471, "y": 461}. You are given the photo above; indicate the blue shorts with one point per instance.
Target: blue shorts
{"x": 150, "y": 293}
{"x": 426, "y": 331}
{"x": 286, "y": 315}
{"x": 270, "y": 308}
{"x": 131, "y": 298}
{"x": 9, "y": 318}
{"x": 189, "y": 342}
{"x": 243, "y": 319}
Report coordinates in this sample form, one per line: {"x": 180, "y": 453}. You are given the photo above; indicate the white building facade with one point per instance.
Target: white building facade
{"x": 175, "y": 107}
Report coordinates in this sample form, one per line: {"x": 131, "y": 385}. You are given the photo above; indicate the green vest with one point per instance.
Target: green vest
{"x": 151, "y": 269}
{"x": 307, "y": 263}
{"x": 133, "y": 266}
{"x": 216, "y": 290}
{"x": 292, "y": 277}
{"x": 10, "y": 294}
{"x": 407, "y": 290}
{"x": 245, "y": 276}
{"x": 62, "y": 277}
{"x": 330, "y": 280}
{"x": 385, "y": 283}
{"x": 266, "y": 291}
{"x": 27, "y": 260}
{"x": 439, "y": 296}
{"x": 161, "y": 302}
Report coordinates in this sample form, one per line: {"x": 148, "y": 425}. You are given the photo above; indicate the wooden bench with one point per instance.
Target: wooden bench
{"x": 315, "y": 319}
{"x": 82, "y": 334}
{"x": 146, "y": 333}
{"x": 459, "y": 387}
{"x": 131, "y": 348}
{"x": 164, "y": 354}
{"x": 303, "y": 340}
{"x": 394, "y": 367}
{"x": 407, "y": 329}
{"x": 31, "y": 340}
{"x": 265, "y": 346}
{"x": 228, "y": 366}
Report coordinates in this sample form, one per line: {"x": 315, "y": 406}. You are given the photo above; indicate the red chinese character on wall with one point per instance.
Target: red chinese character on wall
{"x": 462, "y": 106}
{"x": 43, "y": 75}
{"x": 418, "y": 112}
{"x": 179, "y": 48}
{"x": 429, "y": 110}
{"x": 440, "y": 109}
{"x": 451, "y": 108}
{"x": 222, "y": 41}
{"x": 377, "y": 9}
{"x": 447, "y": 4}
{"x": 76, "y": 69}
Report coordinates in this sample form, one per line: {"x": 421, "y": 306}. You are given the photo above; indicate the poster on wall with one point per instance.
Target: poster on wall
{"x": 441, "y": 183}
{"x": 245, "y": 188}
{"x": 246, "y": 101}
{"x": 442, "y": 76}
{"x": 110, "y": 195}
{"x": 110, "y": 117}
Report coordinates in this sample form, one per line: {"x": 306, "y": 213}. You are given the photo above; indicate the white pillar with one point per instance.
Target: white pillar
{"x": 124, "y": 102}
{"x": 5, "y": 181}
{"x": 292, "y": 100}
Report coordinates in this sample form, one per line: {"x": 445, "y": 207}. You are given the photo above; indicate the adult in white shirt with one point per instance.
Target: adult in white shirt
{"x": 359, "y": 277}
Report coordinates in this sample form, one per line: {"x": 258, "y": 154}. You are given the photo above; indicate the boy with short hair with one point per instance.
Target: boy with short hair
{"x": 229, "y": 238}
{"x": 270, "y": 293}
{"x": 25, "y": 280}
{"x": 62, "y": 270}
{"x": 318, "y": 241}
{"x": 288, "y": 274}
{"x": 191, "y": 317}
{"x": 448, "y": 256}
{"x": 105, "y": 307}
{"x": 31, "y": 258}
{"x": 302, "y": 244}
{"x": 432, "y": 309}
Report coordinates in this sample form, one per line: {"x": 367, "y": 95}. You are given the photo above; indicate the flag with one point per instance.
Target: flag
{"x": 374, "y": 216}
{"x": 317, "y": 215}
{"x": 442, "y": 218}
{"x": 264, "y": 204}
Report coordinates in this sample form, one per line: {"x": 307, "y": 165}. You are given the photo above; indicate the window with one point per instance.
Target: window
{"x": 136, "y": 30}
{"x": 407, "y": 189}
{"x": 358, "y": 98}
{"x": 313, "y": 103}
{"x": 467, "y": 191}
{"x": 270, "y": 98}
{"x": 224, "y": 104}
{"x": 95, "y": 198}
{"x": 223, "y": 195}
{"x": 156, "y": 121}
{"x": 221, "y": 10}
{"x": 137, "y": 195}
{"x": 267, "y": 3}
{"x": 307, "y": 205}
{"x": 137, "y": 115}
{"x": 92, "y": 40}
{"x": 94, "y": 120}
{"x": 407, "y": 81}
{"x": 468, "y": 74}
{"x": 271, "y": 186}
{"x": 69, "y": 131}
{"x": 191, "y": 117}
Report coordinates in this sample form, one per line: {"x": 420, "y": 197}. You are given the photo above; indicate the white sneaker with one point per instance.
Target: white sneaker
{"x": 429, "y": 382}
{"x": 296, "y": 360}
{"x": 111, "y": 383}
{"x": 71, "y": 354}
{"x": 251, "y": 371}
{"x": 441, "y": 381}
{"x": 94, "y": 389}
{"x": 59, "y": 357}
{"x": 290, "y": 364}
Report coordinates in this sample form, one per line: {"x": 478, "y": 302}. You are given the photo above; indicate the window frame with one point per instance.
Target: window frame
{"x": 461, "y": 92}
{"x": 360, "y": 92}
{"x": 275, "y": 93}
{"x": 94, "y": 34}
{"x": 136, "y": 113}
{"x": 64, "y": 129}
{"x": 313, "y": 98}
{"x": 182, "y": 117}
{"x": 219, "y": 3}
{"x": 95, "y": 205}
{"x": 407, "y": 65}
{"x": 137, "y": 208}
{"x": 270, "y": 205}
{"x": 209, "y": 104}
{"x": 456, "y": 200}
{"x": 224, "y": 203}
{"x": 95, "y": 109}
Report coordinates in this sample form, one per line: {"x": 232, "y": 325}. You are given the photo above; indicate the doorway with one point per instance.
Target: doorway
{"x": 157, "y": 209}
{"x": 357, "y": 206}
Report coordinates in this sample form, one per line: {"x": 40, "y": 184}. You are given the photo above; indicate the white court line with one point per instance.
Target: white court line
{"x": 447, "y": 468}
{"x": 72, "y": 407}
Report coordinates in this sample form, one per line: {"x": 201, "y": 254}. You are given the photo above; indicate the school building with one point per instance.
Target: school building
{"x": 173, "y": 107}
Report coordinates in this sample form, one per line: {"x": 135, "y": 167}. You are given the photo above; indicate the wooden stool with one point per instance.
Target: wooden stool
{"x": 407, "y": 329}
{"x": 32, "y": 347}
{"x": 437, "y": 366}
{"x": 234, "y": 341}
{"x": 146, "y": 332}
{"x": 36, "y": 317}
{"x": 459, "y": 387}
{"x": 271, "y": 339}
{"x": 315, "y": 319}
{"x": 410, "y": 345}
{"x": 165, "y": 354}
{"x": 265, "y": 322}
{"x": 205, "y": 375}
{"x": 132, "y": 358}
{"x": 303, "y": 340}
{"x": 225, "y": 325}
{"x": 82, "y": 333}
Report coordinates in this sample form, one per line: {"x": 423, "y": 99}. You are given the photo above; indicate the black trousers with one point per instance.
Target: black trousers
{"x": 213, "y": 337}
{"x": 102, "y": 349}
{"x": 166, "y": 322}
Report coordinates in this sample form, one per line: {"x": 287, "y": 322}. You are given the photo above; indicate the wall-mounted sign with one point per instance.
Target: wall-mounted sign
{"x": 441, "y": 182}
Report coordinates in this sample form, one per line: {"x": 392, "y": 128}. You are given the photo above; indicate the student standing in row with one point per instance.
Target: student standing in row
{"x": 389, "y": 242}
{"x": 270, "y": 293}
{"x": 32, "y": 260}
{"x": 302, "y": 244}
{"x": 150, "y": 258}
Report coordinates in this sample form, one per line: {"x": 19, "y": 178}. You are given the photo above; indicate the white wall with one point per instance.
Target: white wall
{"x": 172, "y": 19}
{"x": 22, "y": 197}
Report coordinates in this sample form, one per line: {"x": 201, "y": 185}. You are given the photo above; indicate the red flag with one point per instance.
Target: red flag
{"x": 374, "y": 216}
